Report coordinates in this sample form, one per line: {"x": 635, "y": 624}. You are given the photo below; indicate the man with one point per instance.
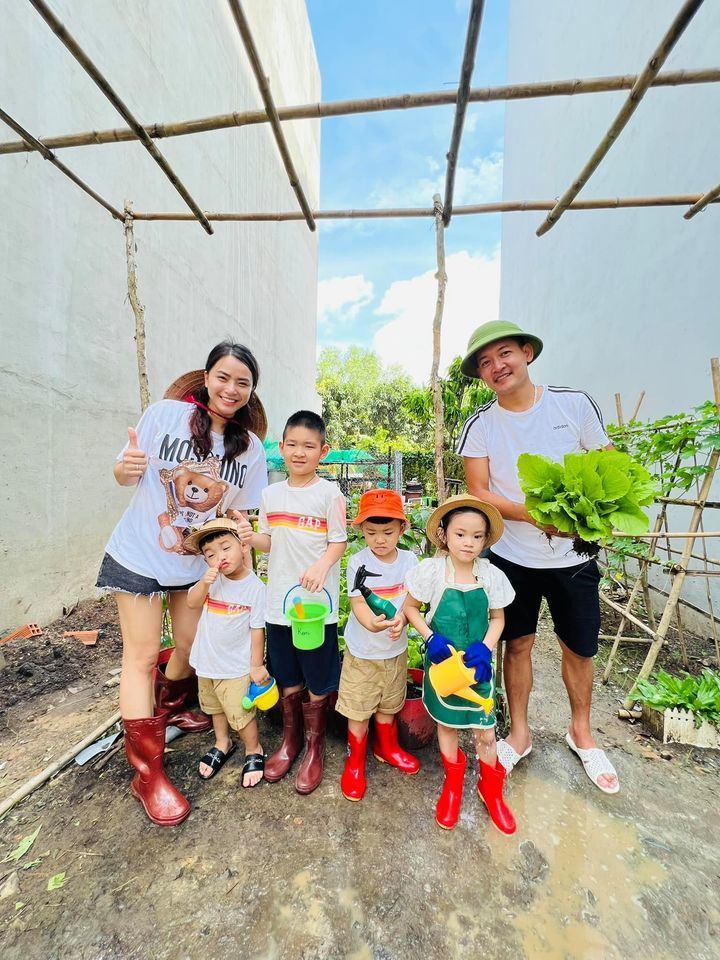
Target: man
{"x": 538, "y": 561}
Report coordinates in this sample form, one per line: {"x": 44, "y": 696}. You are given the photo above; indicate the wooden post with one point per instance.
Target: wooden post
{"x": 137, "y": 308}
{"x": 633, "y": 415}
{"x": 618, "y": 408}
{"x": 435, "y": 384}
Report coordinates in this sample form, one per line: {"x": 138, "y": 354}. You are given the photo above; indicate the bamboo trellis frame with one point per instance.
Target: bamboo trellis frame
{"x": 94, "y": 73}
{"x": 270, "y": 108}
{"x": 640, "y": 88}
{"x": 638, "y": 85}
{"x": 678, "y": 571}
{"x": 463, "y": 92}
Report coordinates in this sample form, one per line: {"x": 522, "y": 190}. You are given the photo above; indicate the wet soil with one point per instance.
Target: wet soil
{"x": 267, "y": 873}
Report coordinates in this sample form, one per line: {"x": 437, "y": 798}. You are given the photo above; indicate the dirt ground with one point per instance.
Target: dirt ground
{"x": 266, "y": 873}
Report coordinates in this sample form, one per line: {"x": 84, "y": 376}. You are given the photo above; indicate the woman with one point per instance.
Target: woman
{"x": 192, "y": 456}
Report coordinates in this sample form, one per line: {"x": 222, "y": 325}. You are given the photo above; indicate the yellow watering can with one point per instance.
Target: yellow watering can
{"x": 452, "y": 678}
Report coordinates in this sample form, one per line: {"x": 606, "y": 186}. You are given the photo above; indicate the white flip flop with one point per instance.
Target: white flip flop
{"x": 595, "y": 763}
{"x": 508, "y": 755}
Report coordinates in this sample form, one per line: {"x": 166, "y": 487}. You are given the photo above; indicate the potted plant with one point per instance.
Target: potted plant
{"x": 682, "y": 709}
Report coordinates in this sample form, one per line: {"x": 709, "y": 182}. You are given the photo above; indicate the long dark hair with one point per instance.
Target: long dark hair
{"x": 236, "y": 436}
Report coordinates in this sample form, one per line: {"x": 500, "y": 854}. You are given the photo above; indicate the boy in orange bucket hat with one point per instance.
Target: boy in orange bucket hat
{"x": 373, "y": 682}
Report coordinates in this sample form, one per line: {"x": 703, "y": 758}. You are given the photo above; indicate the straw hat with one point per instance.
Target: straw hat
{"x": 189, "y": 383}
{"x": 220, "y": 525}
{"x": 495, "y": 521}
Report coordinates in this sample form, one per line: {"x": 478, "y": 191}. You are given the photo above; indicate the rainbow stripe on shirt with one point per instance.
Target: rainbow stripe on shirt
{"x": 298, "y": 521}
{"x": 226, "y": 609}
{"x": 389, "y": 593}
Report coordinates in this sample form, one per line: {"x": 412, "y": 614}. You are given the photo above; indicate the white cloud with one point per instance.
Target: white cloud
{"x": 478, "y": 182}
{"x": 341, "y": 298}
{"x": 471, "y": 297}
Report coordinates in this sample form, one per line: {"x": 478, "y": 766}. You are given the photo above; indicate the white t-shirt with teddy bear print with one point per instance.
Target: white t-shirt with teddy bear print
{"x": 178, "y": 492}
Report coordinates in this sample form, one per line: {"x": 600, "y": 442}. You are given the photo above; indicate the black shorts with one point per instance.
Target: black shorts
{"x": 318, "y": 670}
{"x": 572, "y": 597}
{"x": 115, "y": 578}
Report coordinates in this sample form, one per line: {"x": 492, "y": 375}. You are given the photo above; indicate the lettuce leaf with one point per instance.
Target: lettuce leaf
{"x": 590, "y": 494}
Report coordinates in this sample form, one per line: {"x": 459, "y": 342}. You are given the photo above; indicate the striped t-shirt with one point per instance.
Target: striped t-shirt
{"x": 232, "y": 608}
{"x": 390, "y": 585}
{"x": 562, "y": 421}
{"x": 301, "y": 522}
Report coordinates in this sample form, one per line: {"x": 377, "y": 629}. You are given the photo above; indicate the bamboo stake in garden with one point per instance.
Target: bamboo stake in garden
{"x": 710, "y": 197}
{"x": 137, "y": 308}
{"x": 435, "y": 384}
{"x": 640, "y": 88}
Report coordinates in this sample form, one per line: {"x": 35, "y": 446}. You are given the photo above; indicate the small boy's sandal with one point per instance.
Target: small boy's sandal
{"x": 254, "y": 762}
{"x": 216, "y": 759}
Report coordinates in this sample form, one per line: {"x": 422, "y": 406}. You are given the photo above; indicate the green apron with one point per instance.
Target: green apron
{"x": 462, "y": 616}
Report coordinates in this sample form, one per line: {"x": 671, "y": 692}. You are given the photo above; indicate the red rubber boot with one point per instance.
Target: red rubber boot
{"x": 145, "y": 747}
{"x": 387, "y": 749}
{"x": 490, "y": 790}
{"x": 174, "y": 697}
{"x": 448, "y": 806}
{"x": 352, "y": 781}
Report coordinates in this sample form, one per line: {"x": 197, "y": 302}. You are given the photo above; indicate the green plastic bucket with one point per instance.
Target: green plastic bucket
{"x": 308, "y": 632}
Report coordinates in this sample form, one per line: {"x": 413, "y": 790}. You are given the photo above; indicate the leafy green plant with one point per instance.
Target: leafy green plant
{"x": 701, "y": 695}
{"x": 588, "y": 496}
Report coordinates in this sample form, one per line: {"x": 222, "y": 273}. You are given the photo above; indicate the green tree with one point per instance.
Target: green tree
{"x": 363, "y": 401}
{"x": 461, "y": 397}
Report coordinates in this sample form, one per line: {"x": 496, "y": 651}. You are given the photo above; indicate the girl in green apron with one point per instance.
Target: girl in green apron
{"x": 465, "y": 595}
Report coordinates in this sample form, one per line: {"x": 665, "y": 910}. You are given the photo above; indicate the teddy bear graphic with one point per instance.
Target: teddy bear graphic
{"x": 194, "y": 492}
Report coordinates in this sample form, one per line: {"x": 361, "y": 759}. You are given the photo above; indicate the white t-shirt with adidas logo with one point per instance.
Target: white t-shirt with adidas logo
{"x": 562, "y": 421}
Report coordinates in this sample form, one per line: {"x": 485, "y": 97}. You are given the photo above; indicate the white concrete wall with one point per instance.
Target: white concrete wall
{"x": 625, "y": 300}
{"x": 67, "y": 366}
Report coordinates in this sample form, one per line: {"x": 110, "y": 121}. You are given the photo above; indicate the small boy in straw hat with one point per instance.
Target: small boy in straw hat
{"x": 229, "y": 647}
{"x": 465, "y": 595}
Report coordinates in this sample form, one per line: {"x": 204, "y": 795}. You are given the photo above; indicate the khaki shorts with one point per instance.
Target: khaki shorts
{"x": 369, "y": 686}
{"x": 225, "y": 696}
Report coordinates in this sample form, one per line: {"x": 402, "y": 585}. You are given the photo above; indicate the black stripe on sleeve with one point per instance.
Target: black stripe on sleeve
{"x": 469, "y": 423}
{"x": 593, "y": 404}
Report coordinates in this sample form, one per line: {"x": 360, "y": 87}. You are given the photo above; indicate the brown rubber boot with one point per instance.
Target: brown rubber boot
{"x": 310, "y": 771}
{"x": 145, "y": 746}
{"x": 277, "y": 766}
{"x": 173, "y": 696}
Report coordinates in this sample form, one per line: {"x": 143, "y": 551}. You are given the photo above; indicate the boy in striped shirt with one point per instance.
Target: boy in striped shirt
{"x": 373, "y": 682}
{"x": 303, "y": 527}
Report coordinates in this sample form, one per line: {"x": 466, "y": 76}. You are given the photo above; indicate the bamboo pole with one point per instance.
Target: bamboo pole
{"x": 36, "y": 144}
{"x": 679, "y": 579}
{"x": 704, "y": 200}
{"x": 92, "y": 71}
{"x": 137, "y": 308}
{"x": 640, "y": 87}
{"x": 695, "y": 534}
{"x": 619, "y": 411}
{"x": 683, "y": 502}
{"x": 270, "y": 108}
{"x": 463, "y": 92}
{"x": 342, "y": 108}
{"x": 501, "y": 206}
{"x": 633, "y": 415}
{"x": 618, "y": 608}
{"x": 39, "y": 779}
{"x": 435, "y": 385}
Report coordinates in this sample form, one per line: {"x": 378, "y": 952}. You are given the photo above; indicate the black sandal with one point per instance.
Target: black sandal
{"x": 216, "y": 759}
{"x": 253, "y": 763}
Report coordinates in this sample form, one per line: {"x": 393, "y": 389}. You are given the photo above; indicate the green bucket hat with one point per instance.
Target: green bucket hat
{"x": 489, "y": 333}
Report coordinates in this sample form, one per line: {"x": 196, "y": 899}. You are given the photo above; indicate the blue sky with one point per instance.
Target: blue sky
{"x": 374, "y": 285}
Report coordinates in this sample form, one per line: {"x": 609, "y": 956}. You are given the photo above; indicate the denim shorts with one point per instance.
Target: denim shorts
{"x": 114, "y": 578}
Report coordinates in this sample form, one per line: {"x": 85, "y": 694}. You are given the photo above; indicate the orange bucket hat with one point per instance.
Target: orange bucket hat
{"x": 380, "y": 503}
